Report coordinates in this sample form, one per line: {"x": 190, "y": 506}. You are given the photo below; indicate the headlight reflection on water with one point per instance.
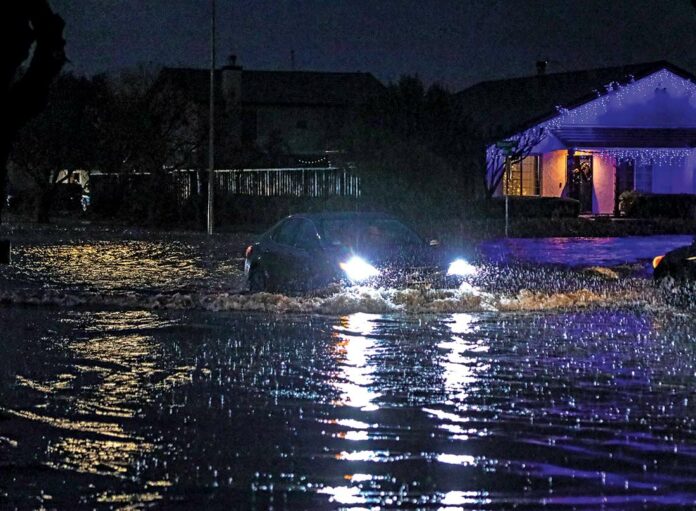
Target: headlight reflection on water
{"x": 461, "y": 268}
{"x": 354, "y": 349}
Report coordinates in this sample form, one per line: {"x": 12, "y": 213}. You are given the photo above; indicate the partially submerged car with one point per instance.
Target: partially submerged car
{"x": 680, "y": 264}
{"x": 311, "y": 251}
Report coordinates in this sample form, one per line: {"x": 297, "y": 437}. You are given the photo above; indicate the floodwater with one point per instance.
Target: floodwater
{"x": 584, "y": 251}
{"x": 134, "y": 375}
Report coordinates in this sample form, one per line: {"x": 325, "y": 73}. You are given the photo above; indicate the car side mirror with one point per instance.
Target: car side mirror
{"x": 434, "y": 243}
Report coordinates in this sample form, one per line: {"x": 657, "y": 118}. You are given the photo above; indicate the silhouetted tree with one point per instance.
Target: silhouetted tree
{"x": 149, "y": 129}
{"x": 62, "y": 137}
{"x": 497, "y": 157}
{"x": 33, "y": 54}
{"x": 408, "y": 148}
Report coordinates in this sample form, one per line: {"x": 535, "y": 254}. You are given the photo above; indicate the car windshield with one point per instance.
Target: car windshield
{"x": 367, "y": 232}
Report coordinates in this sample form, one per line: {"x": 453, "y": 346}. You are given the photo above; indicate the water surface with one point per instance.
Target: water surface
{"x": 465, "y": 411}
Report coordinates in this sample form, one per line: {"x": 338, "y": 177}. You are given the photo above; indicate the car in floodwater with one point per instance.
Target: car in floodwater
{"x": 680, "y": 264}
{"x": 311, "y": 251}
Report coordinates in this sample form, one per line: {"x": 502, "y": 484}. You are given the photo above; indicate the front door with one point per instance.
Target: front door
{"x": 580, "y": 181}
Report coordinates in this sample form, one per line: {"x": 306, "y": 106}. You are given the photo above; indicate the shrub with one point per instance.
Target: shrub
{"x": 534, "y": 207}
{"x": 642, "y": 205}
{"x": 68, "y": 197}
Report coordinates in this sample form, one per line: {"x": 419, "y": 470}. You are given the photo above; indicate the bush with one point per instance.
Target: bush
{"x": 643, "y": 205}
{"x": 533, "y": 207}
{"x": 68, "y": 197}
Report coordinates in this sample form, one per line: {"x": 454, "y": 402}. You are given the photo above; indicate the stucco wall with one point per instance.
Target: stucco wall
{"x": 675, "y": 177}
{"x": 553, "y": 179}
{"x": 603, "y": 178}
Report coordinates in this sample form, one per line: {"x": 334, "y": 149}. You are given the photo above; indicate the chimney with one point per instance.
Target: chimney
{"x": 541, "y": 67}
{"x": 231, "y": 62}
{"x": 231, "y": 81}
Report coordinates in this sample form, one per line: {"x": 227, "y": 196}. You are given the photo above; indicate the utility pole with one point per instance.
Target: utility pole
{"x": 211, "y": 126}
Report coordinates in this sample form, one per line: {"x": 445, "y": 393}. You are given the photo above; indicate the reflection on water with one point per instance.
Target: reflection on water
{"x": 110, "y": 265}
{"x": 462, "y": 411}
{"x": 107, "y": 370}
{"x": 121, "y": 265}
{"x": 354, "y": 349}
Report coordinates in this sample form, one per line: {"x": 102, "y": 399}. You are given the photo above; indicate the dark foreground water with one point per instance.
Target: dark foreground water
{"x": 186, "y": 409}
{"x": 134, "y": 374}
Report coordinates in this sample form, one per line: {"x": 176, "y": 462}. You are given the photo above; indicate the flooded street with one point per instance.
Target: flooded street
{"x": 134, "y": 375}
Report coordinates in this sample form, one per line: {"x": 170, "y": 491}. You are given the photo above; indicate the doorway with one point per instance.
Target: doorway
{"x": 580, "y": 181}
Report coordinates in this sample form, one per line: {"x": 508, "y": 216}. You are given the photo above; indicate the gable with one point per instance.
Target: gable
{"x": 506, "y": 107}
{"x": 661, "y": 100}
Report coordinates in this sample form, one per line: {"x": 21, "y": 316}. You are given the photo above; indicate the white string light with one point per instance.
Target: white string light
{"x": 312, "y": 162}
{"x": 644, "y": 155}
{"x": 615, "y": 97}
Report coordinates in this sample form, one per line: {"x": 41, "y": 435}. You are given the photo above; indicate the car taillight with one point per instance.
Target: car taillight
{"x": 657, "y": 261}
{"x": 248, "y": 251}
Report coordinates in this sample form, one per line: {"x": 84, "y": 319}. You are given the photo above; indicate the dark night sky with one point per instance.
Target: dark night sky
{"x": 456, "y": 42}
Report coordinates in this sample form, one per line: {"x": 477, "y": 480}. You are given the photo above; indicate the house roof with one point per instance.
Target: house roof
{"x": 282, "y": 87}
{"x": 506, "y": 107}
{"x": 626, "y": 137}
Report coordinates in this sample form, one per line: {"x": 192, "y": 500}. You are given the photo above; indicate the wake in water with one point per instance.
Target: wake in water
{"x": 495, "y": 288}
{"x": 104, "y": 270}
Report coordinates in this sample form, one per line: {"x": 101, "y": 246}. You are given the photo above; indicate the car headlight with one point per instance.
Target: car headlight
{"x": 358, "y": 270}
{"x": 461, "y": 268}
{"x": 657, "y": 261}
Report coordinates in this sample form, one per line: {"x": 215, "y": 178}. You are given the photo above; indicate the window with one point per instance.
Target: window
{"x": 285, "y": 232}
{"x": 368, "y": 231}
{"x": 524, "y": 177}
{"x": 644, "y": 172}
{"x": 307, "y": 237}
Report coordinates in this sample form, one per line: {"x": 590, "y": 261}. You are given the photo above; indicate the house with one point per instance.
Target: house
{"x": 589, "y": 135}
{"x": 298, "y": 114}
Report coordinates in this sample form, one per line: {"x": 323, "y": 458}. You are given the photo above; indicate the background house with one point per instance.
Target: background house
{"x": 590, "y": 135}
{"x": 295, "y": 117}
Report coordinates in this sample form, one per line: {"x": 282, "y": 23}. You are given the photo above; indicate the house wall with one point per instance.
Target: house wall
{"x": 302, "y": 129}
{"x": 554, "y": 173}
{"x": 675, "y": 177}
{"x": 554, "y": 176}
{"x": 603, "y": 183}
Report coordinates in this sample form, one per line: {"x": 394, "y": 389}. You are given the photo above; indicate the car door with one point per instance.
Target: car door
{"x": 278, "y": 253}
{"x": 307, "y": 256}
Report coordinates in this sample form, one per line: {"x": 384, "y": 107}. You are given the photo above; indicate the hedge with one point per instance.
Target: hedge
{"x": 644, "y": 205}
{"x": 533, "y": 207}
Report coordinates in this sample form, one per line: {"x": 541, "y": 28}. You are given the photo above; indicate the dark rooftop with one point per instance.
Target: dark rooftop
{"x": 506, "y": 107}
{"x": 282, "y": 87}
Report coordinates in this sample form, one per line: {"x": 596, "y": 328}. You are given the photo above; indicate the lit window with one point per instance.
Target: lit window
{"x": 524, "y": 177}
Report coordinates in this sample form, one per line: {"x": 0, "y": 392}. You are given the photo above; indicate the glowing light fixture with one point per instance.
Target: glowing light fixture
{"x": 461, "y": 268}
{"x": 358, "y": 270}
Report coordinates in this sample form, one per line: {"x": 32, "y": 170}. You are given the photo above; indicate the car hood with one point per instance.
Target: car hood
{"x": 383, "y": 257}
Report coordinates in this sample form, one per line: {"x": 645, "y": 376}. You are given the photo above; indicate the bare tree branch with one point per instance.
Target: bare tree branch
{"x": 496, "y": 157}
